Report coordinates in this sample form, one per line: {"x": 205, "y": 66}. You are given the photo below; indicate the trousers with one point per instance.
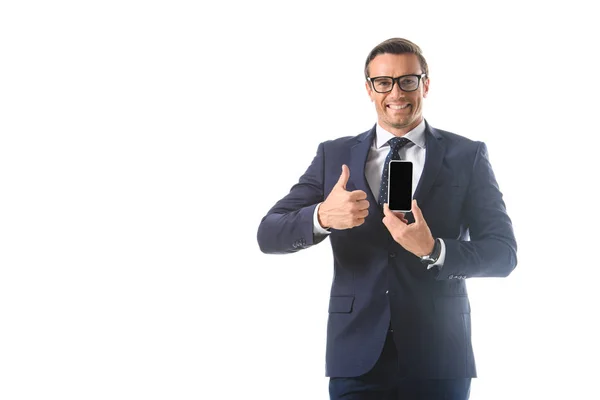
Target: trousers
{"x": 386, "y": 382}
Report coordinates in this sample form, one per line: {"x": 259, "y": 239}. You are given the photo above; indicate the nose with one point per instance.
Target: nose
{"x": 396, "y": 91}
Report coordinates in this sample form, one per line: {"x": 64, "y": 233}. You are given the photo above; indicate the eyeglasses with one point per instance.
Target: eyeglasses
{"x": 385, "y": 84}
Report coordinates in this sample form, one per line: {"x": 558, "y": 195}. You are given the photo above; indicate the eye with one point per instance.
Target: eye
{"x": 383, "y": 83}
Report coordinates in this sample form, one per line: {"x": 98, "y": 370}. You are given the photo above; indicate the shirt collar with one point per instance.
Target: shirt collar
{"x": 417, "y": 135}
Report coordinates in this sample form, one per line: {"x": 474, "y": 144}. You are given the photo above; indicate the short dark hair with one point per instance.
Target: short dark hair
{"x": 396, "y": 46}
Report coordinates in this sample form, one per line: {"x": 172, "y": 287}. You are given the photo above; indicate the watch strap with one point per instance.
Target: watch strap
{"x": 435, "y": 253}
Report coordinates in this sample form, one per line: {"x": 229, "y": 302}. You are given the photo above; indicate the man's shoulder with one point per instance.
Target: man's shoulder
{"x": 344, "y": 141}
{"x": 454, "y": 139}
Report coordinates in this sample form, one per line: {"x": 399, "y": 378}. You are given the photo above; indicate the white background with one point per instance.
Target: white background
{"x": 142, "y": 142}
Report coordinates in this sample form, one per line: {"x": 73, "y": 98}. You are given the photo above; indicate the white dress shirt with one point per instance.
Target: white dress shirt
{"x": 378, "y": 152}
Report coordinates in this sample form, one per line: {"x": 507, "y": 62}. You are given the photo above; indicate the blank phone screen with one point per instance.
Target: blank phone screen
{"x": 400, "y": 186}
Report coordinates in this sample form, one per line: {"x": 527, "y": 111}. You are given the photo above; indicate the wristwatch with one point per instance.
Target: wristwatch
{"x": 435, "y": 254}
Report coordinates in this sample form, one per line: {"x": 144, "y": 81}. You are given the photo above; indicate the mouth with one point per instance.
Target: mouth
{"x": 398, "y": 107}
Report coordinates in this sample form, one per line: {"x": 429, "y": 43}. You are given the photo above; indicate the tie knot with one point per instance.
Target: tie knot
{"x": 397, "y": 143}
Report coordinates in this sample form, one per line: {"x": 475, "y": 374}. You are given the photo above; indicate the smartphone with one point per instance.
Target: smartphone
{"x": 400, "y": 177}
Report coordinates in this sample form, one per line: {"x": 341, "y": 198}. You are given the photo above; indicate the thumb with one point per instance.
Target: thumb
{"x": 344, "y": 177}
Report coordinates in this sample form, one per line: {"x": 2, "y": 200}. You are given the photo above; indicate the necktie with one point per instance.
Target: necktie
{"x": 395, "y": 145}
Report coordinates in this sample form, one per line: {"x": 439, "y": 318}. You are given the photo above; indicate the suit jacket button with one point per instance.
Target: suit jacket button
{"x": 392, "y": 255}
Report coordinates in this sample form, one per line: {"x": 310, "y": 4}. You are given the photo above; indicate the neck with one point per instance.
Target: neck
{"x": 401, "y": 130}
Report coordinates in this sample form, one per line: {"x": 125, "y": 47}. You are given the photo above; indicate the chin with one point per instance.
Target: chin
{"x": 401, "y": 124}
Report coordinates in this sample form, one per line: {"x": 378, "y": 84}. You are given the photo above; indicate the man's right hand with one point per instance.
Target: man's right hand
{"x": 343, "y": 209}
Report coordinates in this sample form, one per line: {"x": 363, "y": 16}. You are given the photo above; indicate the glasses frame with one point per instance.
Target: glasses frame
{"x": 394, "y": 80}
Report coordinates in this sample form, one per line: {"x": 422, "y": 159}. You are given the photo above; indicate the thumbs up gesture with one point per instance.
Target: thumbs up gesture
{"x": 343, "y": 209}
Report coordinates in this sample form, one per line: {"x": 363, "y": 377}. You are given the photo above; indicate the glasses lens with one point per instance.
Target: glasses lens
{"x": 409, "y": 83}
{"x": 382, "y": 85}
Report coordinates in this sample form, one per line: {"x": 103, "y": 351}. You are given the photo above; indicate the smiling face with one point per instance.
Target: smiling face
{"x": 397, "y": 111}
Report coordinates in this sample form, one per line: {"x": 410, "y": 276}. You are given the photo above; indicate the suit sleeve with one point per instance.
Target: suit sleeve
{"x": 491, "y": 250}
{"x": 288, "y": 225}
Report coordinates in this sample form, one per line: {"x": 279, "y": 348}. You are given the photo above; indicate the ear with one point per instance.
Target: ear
{"x": 369, "y": 90}
{"x": 425, "y": 87}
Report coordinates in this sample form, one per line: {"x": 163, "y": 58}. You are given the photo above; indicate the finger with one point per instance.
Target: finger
{"x": 386, "y": 210}
{"x": 389, "y": 213}
{"x": 357, "y": 195}
{"x": 390, "y": 220}
{"x": 344, "y": 177}
{"x": 417, "y": 211}
{"x": 359, "y": 221}
{"x": 401, "y": 216}
{"x": 392, "y": 223}
{"x": 362, "y": 204}
{"x": 362, "y": 214}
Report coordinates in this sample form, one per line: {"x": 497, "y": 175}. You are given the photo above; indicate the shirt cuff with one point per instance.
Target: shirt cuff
{"x": 317, "y": 228}
{"x": 440, "y": 261}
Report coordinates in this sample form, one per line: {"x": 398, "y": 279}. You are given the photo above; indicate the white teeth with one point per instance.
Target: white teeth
{"x": 394, "y": 107}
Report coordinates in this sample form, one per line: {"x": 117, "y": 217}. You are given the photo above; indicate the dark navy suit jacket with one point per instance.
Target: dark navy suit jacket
{"x": 376, "y": 281}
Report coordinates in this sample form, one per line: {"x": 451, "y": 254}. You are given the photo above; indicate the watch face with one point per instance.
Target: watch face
{"x": 427, "y": 260}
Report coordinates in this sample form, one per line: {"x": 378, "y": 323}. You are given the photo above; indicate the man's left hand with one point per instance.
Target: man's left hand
{"x": 415, "y": 237}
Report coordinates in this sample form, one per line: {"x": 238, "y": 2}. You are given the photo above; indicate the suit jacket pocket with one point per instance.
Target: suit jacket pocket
{"x": 441, "y": 189}
{"x": 341, "y": 304}
{"x": 447, "y": 183}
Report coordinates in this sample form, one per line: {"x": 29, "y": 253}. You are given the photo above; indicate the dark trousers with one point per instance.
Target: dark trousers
{"x": 385, "y": 382}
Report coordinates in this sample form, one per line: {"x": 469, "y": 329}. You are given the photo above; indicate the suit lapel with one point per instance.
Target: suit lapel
{"x": 435, "y": 151}
{"x": 358, "y": 159}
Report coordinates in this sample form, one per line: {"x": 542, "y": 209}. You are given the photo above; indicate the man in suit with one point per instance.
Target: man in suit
{"x": 399, "y": 322}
